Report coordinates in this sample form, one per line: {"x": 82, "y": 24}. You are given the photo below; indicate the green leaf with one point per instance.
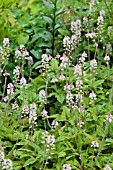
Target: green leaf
{"x": 48, "y": 5}
{"x": 60, "y": 97}
{"x": 30, "y": 161}
{"x": 23, "y": 38}
{"x": 48, "y": 19}
{"x": 61, "y": 154}
{"x": 54, "y": 64}
{"x": 97, "y": 83}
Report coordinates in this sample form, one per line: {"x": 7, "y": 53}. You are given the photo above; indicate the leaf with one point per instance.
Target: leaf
{"x": 11, "y": 20}
{"x": 48, "y": 19}
{"x": 61, "y": 154}
{"x": 35, "y": 53}
{"x": 30, "y": 161}
{"x": 48, "y": 5}
{"x": 97, "y": 83}
{"x": 60, "y": 97}
{"x": 54, "y": 64}
{"x": 23, "y": 38}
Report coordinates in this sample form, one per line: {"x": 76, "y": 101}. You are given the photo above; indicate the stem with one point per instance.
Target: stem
{"x": 4, "y": 87}
{"x": 53, "y": 29}
{"x": 100, "y": 148}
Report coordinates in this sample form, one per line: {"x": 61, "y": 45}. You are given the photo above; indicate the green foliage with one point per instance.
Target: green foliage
{"x": 58, "y": 110}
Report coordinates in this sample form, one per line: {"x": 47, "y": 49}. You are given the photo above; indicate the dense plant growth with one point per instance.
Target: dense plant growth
{"x": 56, "y": 85}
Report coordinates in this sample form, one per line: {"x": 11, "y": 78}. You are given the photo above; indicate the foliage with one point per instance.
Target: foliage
{"x": 56, "y": 113}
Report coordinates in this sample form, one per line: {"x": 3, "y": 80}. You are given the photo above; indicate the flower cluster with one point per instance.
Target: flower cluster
{"x": 91, "y": 35}
{"x": 25, "y": 111}
{"x": 109, "y": 117}
{"x": 23, "y": 82}
{"x": 93, "y": 64}
{"x": 107, "y": 59}
{"x": 5, "y": 50}
{"x": 95, "y": 144}
{"x": 42, "y": 96}
{"x": 69, "y": 95}
{"x": 66, "y": 167}
{"x": 107, "y": 167}
{"x": 67, "y": 43}
{"x": 45, "y": 60}
{"x": 54, "y": 124}
{"x": 49, "y": 142}
{"x": 22, "y": 53}
{"x": 82, "y": 58}
{"x": 64, "y": 61}
{"x": 76, "y": 30}
{"x": 32, "y": 115}
{"x": 15, "y": 106}
{"x": 92, "y": 97}
{"x": 10, "y": 89}
{"x": 5, "y": 164}
{"x": 16, "y": 73}
{"x": 44, "y": 113}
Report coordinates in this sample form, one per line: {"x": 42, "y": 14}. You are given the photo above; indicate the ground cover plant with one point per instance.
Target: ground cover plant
{"x": 57, "y": 113}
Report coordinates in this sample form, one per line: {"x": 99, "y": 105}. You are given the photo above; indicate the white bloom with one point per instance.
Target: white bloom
{"x": 95, "y": 144}
{"x": 80, "y": 124}
{"x": 109, "y": 117}
{"x": 23, "y": 82}
{"x": 7, "y": 164}
{"x": 107, "y": 167}
{"x": 15, "y": 106}
{"x": 93, "y": 64}
{"x": 54, "y": 79}
{"x": 10, "y": 88}
{"x": 6, "y": 42}
{"x": 66, "y": 167}
{"x": 62, "y": 77}
{"x": 54, "y": 124}
{"x": 77, "y": 70}
{"x": 44, "y": 113}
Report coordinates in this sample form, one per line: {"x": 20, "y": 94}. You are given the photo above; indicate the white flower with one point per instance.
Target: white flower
{"x": 93, "y": 64}
{"x": 6, "y": 98}
{"x": 100, "y": 20}
{"x": 44, "y": 113}
{"x": 42, "y": 95}
{"x": 25, "y": 110}
{"x": 1, "y": 156}
{"x": 80, "y": 124}
{"x": 7, "y": 164}
{"x": 10, "y": 88}
{"x": 77, "y": 70}
{"x": 6, "y": 42}
{"x": 66, "y": 167}
{"x": 23, "y": 82}
{"x": 67, "y": 43}
{"x": 15, "y": 106}
{"x": 107, "y": 167}
{"x": 91, "y": 35}
{"x": 92, "y": 96}
{"x": 95, "y": 144}
{"x": 54, "y": 124}
{"x": 18, "y": 53}
{"x": 62, "y": 77}
{"x": 109, "y": 117}
{"x": 54, "y": 79}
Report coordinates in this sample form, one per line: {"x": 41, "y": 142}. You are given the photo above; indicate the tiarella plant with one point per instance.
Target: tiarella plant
{"x": 60, "y": 118}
